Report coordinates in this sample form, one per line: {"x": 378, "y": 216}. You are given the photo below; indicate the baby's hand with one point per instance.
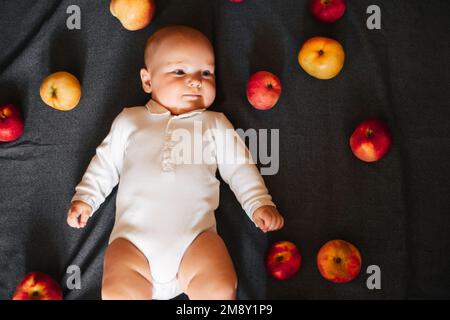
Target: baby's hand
{"x": 267, "y": 218}
{"x": 78, "y": 215}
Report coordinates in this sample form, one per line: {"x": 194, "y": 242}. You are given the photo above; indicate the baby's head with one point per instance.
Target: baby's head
{"x": 179, "y": 69}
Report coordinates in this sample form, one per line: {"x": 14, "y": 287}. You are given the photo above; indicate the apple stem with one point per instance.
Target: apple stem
{"x": 320, "y": 52}
{"x": 2, "y": 115}
{"x": 369, "y": 133}
{"x": 53, "y": 92}
{"x": 337, "y": 260}
{"x": 325, "y": 2}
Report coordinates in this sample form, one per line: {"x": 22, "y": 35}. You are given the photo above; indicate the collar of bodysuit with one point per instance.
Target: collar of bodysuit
{"x": 156, "y": 108}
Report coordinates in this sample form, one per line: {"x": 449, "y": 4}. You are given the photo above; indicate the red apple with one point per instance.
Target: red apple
{"x": 371, "y": 140}
{"x": 328, "y": 10}
{"x": 263, "y": 90}
{"x": 11, "y": 123}
{"x": 339, "y": 261}
{"x": 283, "y": 260}
{"x": 38, "y": 286}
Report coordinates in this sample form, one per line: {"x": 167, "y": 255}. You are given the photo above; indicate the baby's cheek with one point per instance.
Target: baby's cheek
{"x": 209, "y": 93}
{"x": 167, "y": 95}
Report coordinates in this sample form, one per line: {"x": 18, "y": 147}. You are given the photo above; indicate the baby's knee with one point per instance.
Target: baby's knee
{"x": 129, "y": 286}
{"x": 111, "y": 291}
{"x": 225, "y": 288}
{"x": 214, "y": 287}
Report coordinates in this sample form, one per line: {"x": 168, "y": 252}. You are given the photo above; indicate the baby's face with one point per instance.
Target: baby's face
{"x": 180, "y": 73}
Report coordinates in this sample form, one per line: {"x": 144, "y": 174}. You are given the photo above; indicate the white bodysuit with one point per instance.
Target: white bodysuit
{"x": 163, "y": 203}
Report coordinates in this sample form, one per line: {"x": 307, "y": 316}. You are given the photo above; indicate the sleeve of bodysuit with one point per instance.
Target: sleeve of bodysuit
{"x": 103, "y": 172}
{"x": 237, "y": 168}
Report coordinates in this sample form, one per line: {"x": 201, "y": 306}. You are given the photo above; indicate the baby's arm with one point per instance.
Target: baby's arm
{"x": 101, "y": 176}
{"x": 243, "y": 177}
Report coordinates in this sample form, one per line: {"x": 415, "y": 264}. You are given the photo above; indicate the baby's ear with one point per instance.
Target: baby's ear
{"x": 146, "y": 81}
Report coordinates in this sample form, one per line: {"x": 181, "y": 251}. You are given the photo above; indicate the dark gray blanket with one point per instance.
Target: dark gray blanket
{"x": 396, "y": 211}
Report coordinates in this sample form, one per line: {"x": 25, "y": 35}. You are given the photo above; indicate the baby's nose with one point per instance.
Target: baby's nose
{"x": 194, "y": 83}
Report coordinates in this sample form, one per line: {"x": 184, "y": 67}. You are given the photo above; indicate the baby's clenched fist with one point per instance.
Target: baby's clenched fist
{"x": 78, "y": 214}
{"x": 267, "y": 218}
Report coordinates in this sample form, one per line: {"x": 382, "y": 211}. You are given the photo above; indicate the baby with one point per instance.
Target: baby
{"x": 164, "y": 241}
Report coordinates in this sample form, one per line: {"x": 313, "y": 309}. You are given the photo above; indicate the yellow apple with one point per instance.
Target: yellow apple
{"x": 61, "y": 90}
{"x": 339, "y": 261}
{"x": 133, "y": 14}
{"x": 322, "y": 58}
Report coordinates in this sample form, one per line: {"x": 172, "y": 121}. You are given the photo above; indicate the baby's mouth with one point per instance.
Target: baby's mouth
{"x": 192, "y": 96}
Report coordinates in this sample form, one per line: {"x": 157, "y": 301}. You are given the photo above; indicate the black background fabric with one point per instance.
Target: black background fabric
{"x": 396, "y": 211}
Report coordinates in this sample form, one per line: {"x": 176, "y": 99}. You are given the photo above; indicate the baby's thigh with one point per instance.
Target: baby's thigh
{"x": 123, "y": 260}
{"x": 206, "y": 256}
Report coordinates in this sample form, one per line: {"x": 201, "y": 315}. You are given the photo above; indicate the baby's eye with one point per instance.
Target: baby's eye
{"x": 206, "y": 73}
{"x": 179, "y": 72}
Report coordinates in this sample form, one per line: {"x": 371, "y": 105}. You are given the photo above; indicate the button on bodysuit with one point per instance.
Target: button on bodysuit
{"x": 167, "y": 193}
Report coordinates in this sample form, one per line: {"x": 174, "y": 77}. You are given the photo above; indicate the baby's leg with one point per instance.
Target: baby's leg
{"x": 206, "y": 270}
{"x": 126, "y": 273}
